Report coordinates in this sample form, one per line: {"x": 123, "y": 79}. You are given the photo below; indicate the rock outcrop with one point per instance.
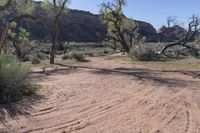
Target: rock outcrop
{"x": 83, "y": 26}
{"x": 148, "y": 31}
{"x": 170, "y": 34}
{"x": 79, "y": 26}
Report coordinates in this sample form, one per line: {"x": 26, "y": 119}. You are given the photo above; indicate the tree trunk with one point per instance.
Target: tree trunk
{"x": 131, "y": 42}
{"x": 55, "y": 38}
{"x": 168, "y": 46}
{"x": 17, "y": 50}
{"x": 115, "y": 46}
{"x": 3, "y": 36}
{"x": 122, "y": 39}
{"x": 125, "y": 46}
{"x": 180, "y": 44}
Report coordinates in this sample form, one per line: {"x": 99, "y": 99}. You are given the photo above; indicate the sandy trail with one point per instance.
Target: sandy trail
{"x": 106, "y": 95}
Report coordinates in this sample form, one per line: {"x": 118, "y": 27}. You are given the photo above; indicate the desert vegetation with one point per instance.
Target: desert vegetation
{"x": 66, "y": 70}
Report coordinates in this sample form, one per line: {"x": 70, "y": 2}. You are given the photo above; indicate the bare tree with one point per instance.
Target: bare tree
{"x": 193, "y": 30}
{"x": 170, "y": 20}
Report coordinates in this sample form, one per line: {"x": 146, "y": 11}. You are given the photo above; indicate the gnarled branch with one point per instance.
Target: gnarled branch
{"x": 193, "y": 30}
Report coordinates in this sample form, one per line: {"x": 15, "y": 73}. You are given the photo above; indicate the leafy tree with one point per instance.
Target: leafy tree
{"x": 131, "y": 33}
{"x": 58, "y": 7}
{"x": 20, "y": 38}
{"x": 120, "y": 29}
{"x": 14, "y": 10}
{"x": 4, "y": 4}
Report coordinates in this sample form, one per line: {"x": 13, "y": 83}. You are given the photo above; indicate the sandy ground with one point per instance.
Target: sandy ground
{"x": 106, "y": 95}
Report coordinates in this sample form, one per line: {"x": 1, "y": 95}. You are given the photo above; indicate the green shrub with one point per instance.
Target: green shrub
{"x": 89, "y": 53}
{"x": 13, "y": 79}
{"x": 66, "y": 57}
{"x": 78, "y": 56}
{"x": 100, "y": 53}
{"x": 26, "y": 58}
{"x": 41, "y": 56}
{"x": 106, "y": 51}
{"x": 72, "y": 46}
{"x": 60, "y": 47}
{"x": 143, "y": 53}
{"x": 35, "y": 60}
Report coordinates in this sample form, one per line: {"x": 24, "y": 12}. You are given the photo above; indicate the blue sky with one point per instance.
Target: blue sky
{"x": 152, "y": 11}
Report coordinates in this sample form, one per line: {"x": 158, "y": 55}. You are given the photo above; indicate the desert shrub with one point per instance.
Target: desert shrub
{"x": 100, "y": 53}
{"x": 13, "y": 79}
{"x": 106, "y": 51}
{"x": 35, "y": 60}
{"x": 79, "y": 56}
{"x": 60, "y": 47}
{"x": 27, "y": 58}
{"x": 66, "y": 57}
{"x": 143, "y": 53}
{"x": 89, "y": 53}
{"x": 195, "y": 54}
{"x": 72, "y": 46}
{"x": 41, "y": 56}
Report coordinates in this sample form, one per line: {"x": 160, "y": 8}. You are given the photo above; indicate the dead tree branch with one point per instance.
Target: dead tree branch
{"x": 193, "y": 30}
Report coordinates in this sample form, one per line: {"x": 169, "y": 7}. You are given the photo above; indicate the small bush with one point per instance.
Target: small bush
{"x": 89, "y": 53}
{"x": 35, "y": 60}
{"x": 41, "y": 56}
{"x": 60, "y": 47}
{"x": 106, "y": 51}
{"x": 100, "y": 53}
{"x": 78, "y": 56}
{"x": 13, "y": 79}
{"x": 143, "y": 53}
{"x": 66, "y": 57}
{"x": 26, "y": 58}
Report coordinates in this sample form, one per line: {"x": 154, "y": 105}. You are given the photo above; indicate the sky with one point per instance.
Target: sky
{"x": 151, "y": 11}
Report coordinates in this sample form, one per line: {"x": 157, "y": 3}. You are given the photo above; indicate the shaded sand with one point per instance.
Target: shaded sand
{"x": 106, "y": 95}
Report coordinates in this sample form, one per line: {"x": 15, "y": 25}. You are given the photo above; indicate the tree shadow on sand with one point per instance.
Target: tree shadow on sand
{"x": 20, "y": 108}
{"x": 144, "y": 74}
{"x": 156, "y": 76}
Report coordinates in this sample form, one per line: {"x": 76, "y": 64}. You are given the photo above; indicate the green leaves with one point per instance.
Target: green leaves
{"x": 56, "y": 6}
{"x": 13, "y": 25}
{"x": 19, "y": 35}
{"x": 17, "y": 8}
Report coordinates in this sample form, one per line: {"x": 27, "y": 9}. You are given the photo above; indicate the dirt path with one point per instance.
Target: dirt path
{"x": 106, "y": 95}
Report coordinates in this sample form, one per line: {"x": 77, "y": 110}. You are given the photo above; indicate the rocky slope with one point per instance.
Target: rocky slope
{"x": 80, "y": 26}
{"x": 170, "y": 34}
{"x": 83, "y": 26}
